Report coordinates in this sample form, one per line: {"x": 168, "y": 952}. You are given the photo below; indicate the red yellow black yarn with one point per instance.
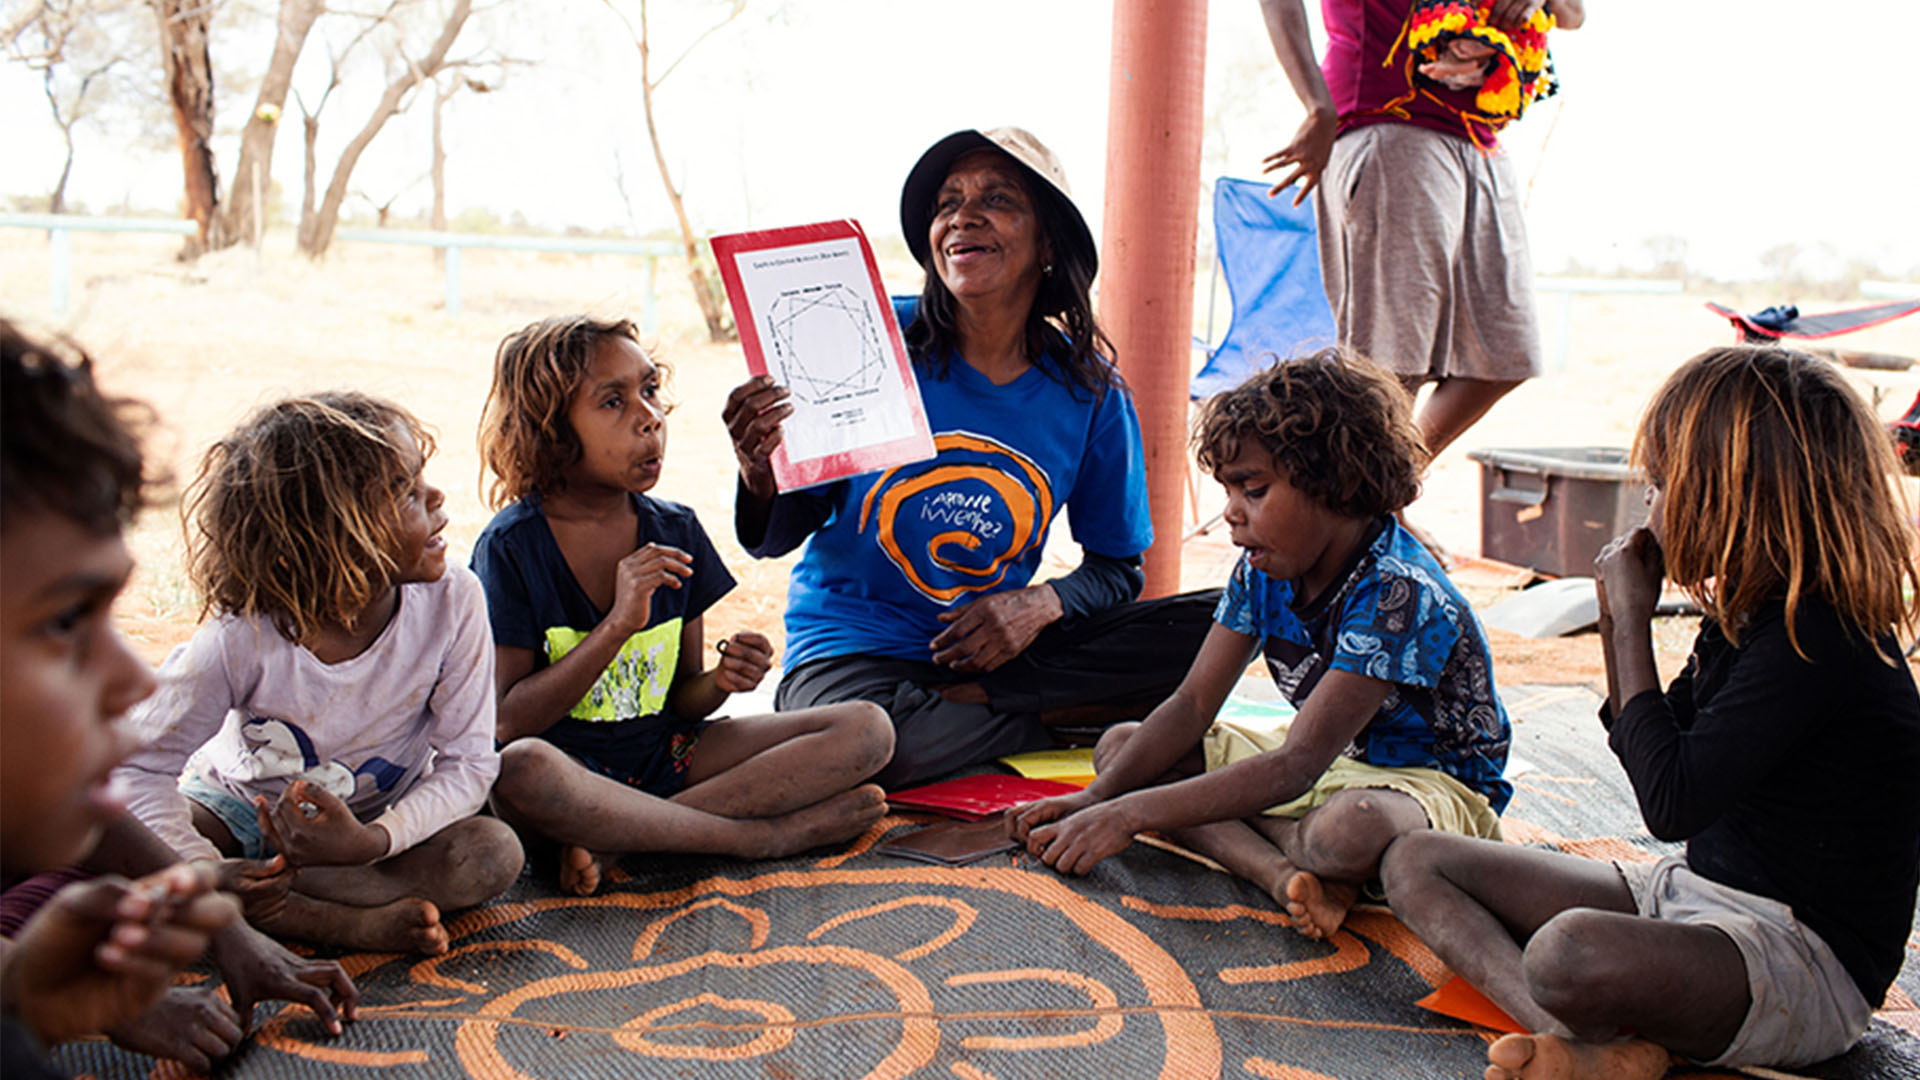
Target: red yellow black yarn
{"x": 1520, "y": 69}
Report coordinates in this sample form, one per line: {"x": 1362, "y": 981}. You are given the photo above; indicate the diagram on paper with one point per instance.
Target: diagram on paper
{"x": 826, "y": 343}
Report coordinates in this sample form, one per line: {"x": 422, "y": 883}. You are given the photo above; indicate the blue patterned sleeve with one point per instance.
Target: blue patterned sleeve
{"x": 1239, "y": 607}
{"x": 1397, "y": 627}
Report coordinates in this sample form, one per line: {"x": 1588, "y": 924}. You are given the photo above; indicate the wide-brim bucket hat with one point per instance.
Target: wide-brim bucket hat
{"x": 923, "y": 184}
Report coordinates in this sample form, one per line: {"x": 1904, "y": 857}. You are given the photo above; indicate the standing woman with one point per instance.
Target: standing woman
{"x": 916, "y": 587}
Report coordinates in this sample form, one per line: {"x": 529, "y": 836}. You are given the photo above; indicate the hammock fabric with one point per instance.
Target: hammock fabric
{"x": 1519, "y": 70}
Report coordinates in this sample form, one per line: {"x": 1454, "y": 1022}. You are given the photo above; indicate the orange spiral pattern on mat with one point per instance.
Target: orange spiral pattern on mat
{"x": 1097, "y": 993}
{"x": 1273, "y": 1070}
{"x": 756, "y": 920}
{"x": 428, "y": 971}
{"x": 778, "y": 1018}
{"x": 963, "y": 916}
{"x": 920, "y": 1035}
{"x": 1348, "y": 954}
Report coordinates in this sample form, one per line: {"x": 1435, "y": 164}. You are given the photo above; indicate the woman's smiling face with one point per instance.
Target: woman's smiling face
{"x": 986, "y": 238}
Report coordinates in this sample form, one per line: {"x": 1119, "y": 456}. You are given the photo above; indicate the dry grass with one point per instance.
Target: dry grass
{"x": 205, "y": 343}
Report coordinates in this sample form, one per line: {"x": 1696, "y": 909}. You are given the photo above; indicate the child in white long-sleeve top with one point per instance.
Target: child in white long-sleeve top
{"x": 339, "y": 708}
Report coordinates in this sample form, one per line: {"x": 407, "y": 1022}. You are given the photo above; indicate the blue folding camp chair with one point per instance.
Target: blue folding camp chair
{"x": 1271, "y": 259}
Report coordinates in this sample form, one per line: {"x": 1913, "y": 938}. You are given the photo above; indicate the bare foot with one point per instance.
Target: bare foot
{"x": 1549, "y": 1057}
{"x": 829, "y": 821}
{"x": 1317, "y": 907}
{"x": 192, "y": 1025}
{"x": 579, "y": 871}
{"x": 406, "y": 925}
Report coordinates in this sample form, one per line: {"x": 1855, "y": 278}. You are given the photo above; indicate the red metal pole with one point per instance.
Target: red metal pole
{"x": 1146, "y": 251}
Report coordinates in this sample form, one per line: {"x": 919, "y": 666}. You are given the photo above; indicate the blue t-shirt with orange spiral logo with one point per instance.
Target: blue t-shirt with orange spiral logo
{"x": 903, "y": 545}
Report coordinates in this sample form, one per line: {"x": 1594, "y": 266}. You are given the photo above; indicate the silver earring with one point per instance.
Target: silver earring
{"x": 1047, "y": 270}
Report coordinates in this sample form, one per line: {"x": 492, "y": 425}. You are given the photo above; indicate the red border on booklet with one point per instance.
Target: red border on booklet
{"x": 790, "y": 475}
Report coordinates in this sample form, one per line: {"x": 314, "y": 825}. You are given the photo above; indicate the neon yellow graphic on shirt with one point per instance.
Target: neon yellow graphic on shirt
{"x": 637, "y": 681}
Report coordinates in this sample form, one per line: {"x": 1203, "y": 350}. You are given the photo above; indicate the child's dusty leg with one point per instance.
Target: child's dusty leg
{"x": 1553, "y": 939}
{"x": 542, "y": 790}
{"x": 469, "y": 862}
{"x": 763, "y": 766}
{"x": 1250, "y": 855}
{"x": 394, "y": 905}
{"x": 1475, "y": 903}
{"x": 1336, "y": 848}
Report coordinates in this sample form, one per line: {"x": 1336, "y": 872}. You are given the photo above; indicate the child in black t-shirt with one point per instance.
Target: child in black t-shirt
{"x": 596, "y": 592}
{"x": 1784, "y": 754}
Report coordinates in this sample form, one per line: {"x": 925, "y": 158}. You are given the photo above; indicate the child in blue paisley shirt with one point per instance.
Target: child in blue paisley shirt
{"x": 1398, "y": 727}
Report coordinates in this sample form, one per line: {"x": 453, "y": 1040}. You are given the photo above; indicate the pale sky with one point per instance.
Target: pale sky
{"x": 1734, "y": 126}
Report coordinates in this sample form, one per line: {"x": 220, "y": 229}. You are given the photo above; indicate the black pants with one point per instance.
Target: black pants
{"x": 1126, "y": 656}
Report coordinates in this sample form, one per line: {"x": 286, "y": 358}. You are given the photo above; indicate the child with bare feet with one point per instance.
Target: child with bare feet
{"x": 596, "y": 592}
{"x": 1784, "y": 754}
{"x": 1398, "y": 728}
{"x": 338, "y": 710}
{"x": 98, "y": 954}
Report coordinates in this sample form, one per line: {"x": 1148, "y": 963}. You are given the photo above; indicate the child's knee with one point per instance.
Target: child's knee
{"x": 483, "y": 860}
{"x": 1351, "y": 833}
{"x": 529, "y": 769}
{"x": 869, "y": 734}
{"x": 1411, "y": 860}
{"x": 1110, "y": 743}
{"x": 1566, "y": 961}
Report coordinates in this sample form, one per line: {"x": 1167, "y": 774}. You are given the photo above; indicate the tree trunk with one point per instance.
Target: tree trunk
{"x": 438, "y": 220}
{"x": 189, "y": 68}
{"x": 329, "y": 213}
{"x": 311, "y": 123}
{"x": 57, "y": 202}
{"x": 256, "y": 142}
{"x": 719, "y": 330}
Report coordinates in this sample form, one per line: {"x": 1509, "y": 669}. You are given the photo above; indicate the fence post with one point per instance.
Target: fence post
{"x": 453, "y": 279}
{"x": 60, "y": 269}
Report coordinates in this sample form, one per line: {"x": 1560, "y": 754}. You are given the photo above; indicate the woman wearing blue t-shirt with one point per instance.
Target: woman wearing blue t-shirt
{"x": 916, "y": 589}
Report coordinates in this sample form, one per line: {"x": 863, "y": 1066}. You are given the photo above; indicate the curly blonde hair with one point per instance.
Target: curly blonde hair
{"x": 1776, "y": 482}
{"x": 1339, "y": 429}
{"x": 526, "y": 441}
{"x": 294, "y": 514}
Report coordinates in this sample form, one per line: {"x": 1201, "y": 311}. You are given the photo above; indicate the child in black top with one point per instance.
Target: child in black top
{"x": 1784, "y": 754}
{"x": 596, "y": 592}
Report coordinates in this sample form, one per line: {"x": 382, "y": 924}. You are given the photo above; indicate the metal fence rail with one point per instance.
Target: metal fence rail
{"x": 60, "y": 228}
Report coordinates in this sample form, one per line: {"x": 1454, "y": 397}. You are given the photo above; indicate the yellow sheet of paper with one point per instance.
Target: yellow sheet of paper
{"x": 1073, "y": 766}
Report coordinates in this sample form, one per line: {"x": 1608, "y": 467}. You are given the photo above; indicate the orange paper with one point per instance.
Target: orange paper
{"x": 1459, "y": 999}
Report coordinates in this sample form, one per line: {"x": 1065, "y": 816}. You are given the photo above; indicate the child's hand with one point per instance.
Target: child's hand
{"x": 101, "y": 952}
{"x": 644, "y": 570}
{"x": 312, "y": 827}
{"x": 745, "y": 659}
{"x": 259, "y": 884}
{"x": 257, "y": 968}
{"x": 1628, "y": 572}
{"x": 1023, "y": 819}
{"x": 1075, "y": 843}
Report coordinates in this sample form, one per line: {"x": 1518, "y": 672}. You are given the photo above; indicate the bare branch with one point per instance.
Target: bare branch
{"x": 738, "y": 7}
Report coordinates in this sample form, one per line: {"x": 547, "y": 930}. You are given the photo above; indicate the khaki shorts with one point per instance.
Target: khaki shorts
{"x": 1424, "y": 253}
{"x": 1451, "y": 806}
{"x": 1805, "y": 1008}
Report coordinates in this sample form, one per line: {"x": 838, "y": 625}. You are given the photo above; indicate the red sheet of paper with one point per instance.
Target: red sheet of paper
{"x": 1459, "y": 999}
{"x": 790, "y": 473}
{"x": 976, "y": 798}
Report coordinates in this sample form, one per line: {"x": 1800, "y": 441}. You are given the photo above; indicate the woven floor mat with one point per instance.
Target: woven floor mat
{"x": 854, "y": 964}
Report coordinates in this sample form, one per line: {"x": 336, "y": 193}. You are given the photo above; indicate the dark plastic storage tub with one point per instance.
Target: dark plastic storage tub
{"x": 1554, "y": 508}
